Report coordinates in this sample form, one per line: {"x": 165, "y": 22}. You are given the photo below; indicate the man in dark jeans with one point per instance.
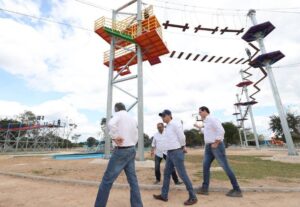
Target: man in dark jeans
{"x": 214, "y": 149}
{"x": 157, "y": 144}
{"x": 174, "y": 144}
{"x": 123, "y": 130}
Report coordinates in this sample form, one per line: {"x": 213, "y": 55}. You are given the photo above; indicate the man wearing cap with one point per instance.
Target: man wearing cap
{"x": 175, "y": 146}
{"x": 214, "y": 149}
{"x": 157, "y": 146}
{"x": 123, "y": 130}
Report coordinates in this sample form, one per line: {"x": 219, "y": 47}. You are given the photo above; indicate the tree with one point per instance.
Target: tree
{"x": 27, "y": 117}
{"x": 293, "y": 123}
{"x": 193, "y": 138}
{"x": 10, "y": 123}
{"x": 91, "y": 141}
{"x": 147, "y": 140}
{"x": 231, "y": 135}
{"x": 75, "y": 137}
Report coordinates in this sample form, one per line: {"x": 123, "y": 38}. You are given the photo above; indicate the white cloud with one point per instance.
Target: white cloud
{"x": 54, "y": 58}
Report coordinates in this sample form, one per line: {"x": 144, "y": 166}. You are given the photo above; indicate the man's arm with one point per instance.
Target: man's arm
{"x": 216, "y": 124}
{"x": 153, "y": 146}
{"x": 113, "y": 127}
{"x": 219, "y": 129}
{"x": 114, "y": 131}
{"x": 200, "y": 128}
{"x": 180, "y": 134}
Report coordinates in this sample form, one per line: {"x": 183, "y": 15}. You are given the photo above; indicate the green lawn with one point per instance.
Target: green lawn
{"x": 251, "y": 167}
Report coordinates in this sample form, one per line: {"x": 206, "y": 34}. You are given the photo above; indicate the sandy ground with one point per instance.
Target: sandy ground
{"x": 16, "y": 192}
{"x": 93, "y": 169}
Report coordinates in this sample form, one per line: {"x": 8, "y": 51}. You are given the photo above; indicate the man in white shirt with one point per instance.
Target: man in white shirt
{"x": 157, "y": 146}
{"x": 123, "y": 130}
{"x": 214, "y": 149}
{"x": 174, "y": 144}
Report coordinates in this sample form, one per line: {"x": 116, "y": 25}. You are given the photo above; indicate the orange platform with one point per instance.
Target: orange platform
{"x": 152, "y": 47}
{"x": 150, "y": 40}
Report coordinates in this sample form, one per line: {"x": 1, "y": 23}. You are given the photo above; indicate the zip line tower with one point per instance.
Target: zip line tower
{"x": 132, "y": 40}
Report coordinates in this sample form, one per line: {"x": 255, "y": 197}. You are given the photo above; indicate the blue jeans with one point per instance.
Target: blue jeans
{"x": 120, "y": 159}
{"x": 157, "y": 169}
{"x": 175, "y": 158}
{"x": 219, "y": 154}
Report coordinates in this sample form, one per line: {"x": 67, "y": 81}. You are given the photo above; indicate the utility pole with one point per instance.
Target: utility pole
{"x": 140, "y": 85}
{"x": 280, "y": 109}
{"x": 110, "y": 90}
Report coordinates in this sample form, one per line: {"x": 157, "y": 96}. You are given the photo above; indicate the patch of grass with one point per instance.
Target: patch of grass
{"x": 251, "y": 167}
{"x": 37, "y": 172}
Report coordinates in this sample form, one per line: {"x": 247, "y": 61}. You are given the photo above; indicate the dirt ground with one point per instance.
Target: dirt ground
{"x": 15, "y": 192}
{"x": 93, "y": 169}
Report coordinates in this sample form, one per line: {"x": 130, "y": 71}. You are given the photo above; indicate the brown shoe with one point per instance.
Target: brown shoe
{"x": 159, "y": 197}
{"x": 190, "y": 201}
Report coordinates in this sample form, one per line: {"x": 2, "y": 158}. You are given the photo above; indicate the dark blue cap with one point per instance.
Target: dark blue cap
{"x": 165, "y": 112}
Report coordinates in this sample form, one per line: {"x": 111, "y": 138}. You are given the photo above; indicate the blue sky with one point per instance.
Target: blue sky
{"x": 58, "y": 70}
{"x": 14, "y": 88}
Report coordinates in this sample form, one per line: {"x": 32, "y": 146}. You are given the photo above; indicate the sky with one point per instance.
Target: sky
{"x": 51, "y": 61}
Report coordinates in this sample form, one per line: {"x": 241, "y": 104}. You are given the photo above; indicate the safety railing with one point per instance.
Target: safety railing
{"x": 120, "y": 52}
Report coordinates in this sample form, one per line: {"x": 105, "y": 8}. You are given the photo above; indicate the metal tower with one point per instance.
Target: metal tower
{"x": 132, "y": 40}
{"x": 257, "y": 33}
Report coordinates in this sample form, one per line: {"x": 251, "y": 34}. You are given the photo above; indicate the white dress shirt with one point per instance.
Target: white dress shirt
{"x": 174, "y": 136}
{"x": 158, "y": 143}
{"x": 123, "y": 125}
{"x": 212, "y": 130}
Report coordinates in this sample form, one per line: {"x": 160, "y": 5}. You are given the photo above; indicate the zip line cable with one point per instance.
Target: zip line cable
{"x": 46, "y": 19}
{"x": 282, "y": 10}
{"x": 93, "y": 5}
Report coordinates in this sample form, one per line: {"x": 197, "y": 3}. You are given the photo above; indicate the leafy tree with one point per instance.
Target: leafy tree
{"x": 75, "y": 137}
{"x": 231, "y": 134}
{"x": 10, "y": 123}
{"x": 147, "y": 140}
{"x": 91, "y": 141}
{"x": 193, "y": 138}
{"x": 27, "y": 116}
{"x": 293, "y": 123}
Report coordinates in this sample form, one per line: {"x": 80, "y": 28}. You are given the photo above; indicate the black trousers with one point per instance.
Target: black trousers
{"x": 157, "y": 169}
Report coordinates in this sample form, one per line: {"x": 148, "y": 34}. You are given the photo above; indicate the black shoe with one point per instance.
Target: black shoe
{"x": 234, "y": 193}
{"x": 178, "y": 183}
{"x": 202, "y": 191}
{"x": 159, "y": 197}
{"x": 190, "y": 201}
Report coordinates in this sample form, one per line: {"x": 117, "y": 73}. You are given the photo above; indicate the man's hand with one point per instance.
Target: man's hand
{"x": 184, "y": 149}
{"x": 118, "y": 140}
{"x": 152, "y": 152}
{"x": 197, "y": 126}
{"x": 215, "y": 144}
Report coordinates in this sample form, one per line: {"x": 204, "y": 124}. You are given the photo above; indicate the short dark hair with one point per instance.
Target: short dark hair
{"x": 119, "y": 107}
{"x": 204, "y": 108}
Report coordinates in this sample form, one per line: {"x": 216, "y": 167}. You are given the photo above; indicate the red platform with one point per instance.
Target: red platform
{"x": 152, "y": 47}
{"x": 244, "y": 83}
